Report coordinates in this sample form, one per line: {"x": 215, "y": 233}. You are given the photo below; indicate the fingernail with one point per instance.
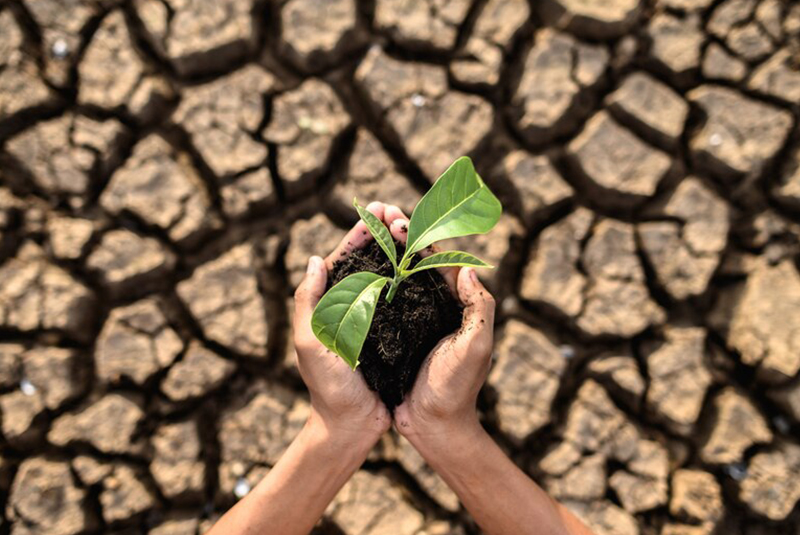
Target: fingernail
{"x": 473, "y": 276}
{"x": 313, "y": 265}
{"x": 402, "y": 224}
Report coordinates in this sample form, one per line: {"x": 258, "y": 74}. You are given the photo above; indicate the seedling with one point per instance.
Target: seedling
{"x": 458, "y": 204}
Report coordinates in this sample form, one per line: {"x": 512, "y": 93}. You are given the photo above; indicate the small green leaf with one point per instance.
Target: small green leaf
{"x": 458, "y": 204}
{"x": 449, "y": 259}
{"x": 379, "y": 232}
{"x": 343, "y": 316}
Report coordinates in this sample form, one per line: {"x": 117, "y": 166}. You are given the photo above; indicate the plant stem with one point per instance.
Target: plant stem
{"x": 398, "y": 277}
{"x": 400, "y": 274}
{"x": 392, "y": 290}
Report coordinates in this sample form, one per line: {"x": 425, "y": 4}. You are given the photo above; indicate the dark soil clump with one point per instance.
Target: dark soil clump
{"x": 403, "y": 333}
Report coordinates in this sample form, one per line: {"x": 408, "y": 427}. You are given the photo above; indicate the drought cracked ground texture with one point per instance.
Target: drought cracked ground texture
{"x": 167, "y": 166}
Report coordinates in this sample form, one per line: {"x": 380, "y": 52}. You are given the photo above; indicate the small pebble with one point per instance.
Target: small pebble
{"x": 304, "y": 122}
{"x": 568, "y": 352}
{"x": 418, "y": 100}
{"x": 27, "y": 387}
{"x": 241, "y": 488}
{"x": 509, "y": 305}
{"x": 736, "y": 471}
{"x": 60, "y": 49}
{"x": 781, "y": 424}
{"x": 76, "y": 203}
{"x": 715, "y": 140}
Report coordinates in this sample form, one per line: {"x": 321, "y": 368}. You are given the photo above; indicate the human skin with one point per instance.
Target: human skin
{"x": 438, "y": 417}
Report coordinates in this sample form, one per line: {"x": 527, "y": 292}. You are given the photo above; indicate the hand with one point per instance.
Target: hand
{"x": 340, "y": 398}
{"x": 345, "y": 422}
{"x": 445, "y": 393}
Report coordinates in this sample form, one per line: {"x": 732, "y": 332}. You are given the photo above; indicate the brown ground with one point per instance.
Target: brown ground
{"x": 166, "y": 168}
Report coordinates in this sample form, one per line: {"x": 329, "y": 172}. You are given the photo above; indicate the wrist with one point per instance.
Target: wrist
{"x": 454, "y": 452}
{"x": 439, "y": 435}
{"x": 347, "y": 435}
{"x": 304, "y": 481}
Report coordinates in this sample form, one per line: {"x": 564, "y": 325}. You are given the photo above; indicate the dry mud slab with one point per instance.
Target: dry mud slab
{"x": 167, "y": 167}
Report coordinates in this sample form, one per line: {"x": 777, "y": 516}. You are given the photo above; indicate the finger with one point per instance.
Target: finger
{"x": 393, "y": 212}
{"x": 308, "y": 294}
{"x": 476, "y": 335}
{"x": 356, "y": 238}
{"x": 399, "y": 229}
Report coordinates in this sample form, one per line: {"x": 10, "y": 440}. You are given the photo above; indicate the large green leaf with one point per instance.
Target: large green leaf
{"x": 449, "y": 259}
{"x": 379, "y": 232}
{"x": 458, "y": 204}
{"x": 343, "y": 316}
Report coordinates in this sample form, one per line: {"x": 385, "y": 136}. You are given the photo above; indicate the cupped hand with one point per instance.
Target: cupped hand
{"x": 340, "y": 398}
{"x": 443, "y": 399}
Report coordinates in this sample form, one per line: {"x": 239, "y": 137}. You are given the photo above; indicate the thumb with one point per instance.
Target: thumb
{"x": 399, "y": 229}
{"x": 476, "y": 336}
{"x": 310, "y": 291}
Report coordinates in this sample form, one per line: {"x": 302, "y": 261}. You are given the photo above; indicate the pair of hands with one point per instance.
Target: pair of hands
{"x": 438, "y": 418}
{"x": 443, "y": 398}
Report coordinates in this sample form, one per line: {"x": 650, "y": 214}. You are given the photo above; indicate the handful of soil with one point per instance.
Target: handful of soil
{"x": 404, "y": 331}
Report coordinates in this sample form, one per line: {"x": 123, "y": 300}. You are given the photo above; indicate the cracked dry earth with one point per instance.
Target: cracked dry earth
{"x": 167, "y": 166}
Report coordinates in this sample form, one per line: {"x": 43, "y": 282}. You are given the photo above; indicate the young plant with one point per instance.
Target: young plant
{"x": 458, "y": 204}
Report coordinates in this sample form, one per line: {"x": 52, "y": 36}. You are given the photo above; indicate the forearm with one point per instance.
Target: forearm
{"x": 296, "y": 492}
{"x": 500, "y": 497}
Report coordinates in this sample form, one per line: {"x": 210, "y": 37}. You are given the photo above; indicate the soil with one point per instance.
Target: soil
{"x": 422, "y": 312}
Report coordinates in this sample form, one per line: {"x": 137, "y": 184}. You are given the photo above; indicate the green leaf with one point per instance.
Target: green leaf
{"x": 343, "y": 316}
{"x": 379, "y": 232}
{"x": 458, "y": 204}
{"x": 449, "y": 259}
